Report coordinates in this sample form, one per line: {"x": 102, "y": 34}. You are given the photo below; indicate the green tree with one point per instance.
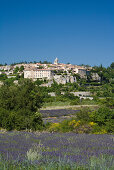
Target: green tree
{"x": 18, "y": 106}
{"x": 112, "y": 65}
{"x": 16, "y": 70}
{"x": 21, "y": 68}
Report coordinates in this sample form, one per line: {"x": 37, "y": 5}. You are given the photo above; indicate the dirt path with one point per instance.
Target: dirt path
{"x": 67, "y": 107}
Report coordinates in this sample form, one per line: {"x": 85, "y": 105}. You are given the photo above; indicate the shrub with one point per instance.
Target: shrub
{"x": 84, "y": 114}
{"x": 75, "y": 102}
{"x": 20, "y": 120}
{"x": 108, "y": 102}
{"x": 35, "y": 153}
{"x": 104, "y": 119}
{"x": 102, "y": 115}
{"x": 37, "y": 122}
{"x": 54, "y": 127}
{"x": 84, "y": 128}
{"x": 74, "y": 124}
{"x": 65, "y": 127}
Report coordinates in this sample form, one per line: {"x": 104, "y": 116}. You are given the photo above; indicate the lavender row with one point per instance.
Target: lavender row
{"x": 57, "y": 112}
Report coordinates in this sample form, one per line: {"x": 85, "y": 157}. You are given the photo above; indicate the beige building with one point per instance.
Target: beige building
{"x": 38, "y": 73}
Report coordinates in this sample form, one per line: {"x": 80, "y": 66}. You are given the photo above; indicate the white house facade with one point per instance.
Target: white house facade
{"x": 38, "y": 74}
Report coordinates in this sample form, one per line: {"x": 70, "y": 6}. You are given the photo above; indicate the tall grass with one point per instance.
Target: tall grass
{"x": 102, "y": 163}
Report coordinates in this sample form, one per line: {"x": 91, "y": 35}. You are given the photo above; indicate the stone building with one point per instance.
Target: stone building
{"x": 81, "y": 71}
{"x": 38, "y": 73}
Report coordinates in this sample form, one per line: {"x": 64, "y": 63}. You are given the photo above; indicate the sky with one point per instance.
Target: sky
{"x": 74, "y": 31}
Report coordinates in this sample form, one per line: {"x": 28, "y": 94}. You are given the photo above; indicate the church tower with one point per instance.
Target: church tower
{"x": 56, "y": 61}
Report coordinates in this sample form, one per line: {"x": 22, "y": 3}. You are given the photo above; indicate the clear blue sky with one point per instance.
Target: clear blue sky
{"x": 75, "y": 31}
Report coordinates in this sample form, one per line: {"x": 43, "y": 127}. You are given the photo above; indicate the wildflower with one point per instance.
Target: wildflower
{"x": 77, "y": 124}
{"x": 92, "y": 123}
{"x": 71, "y": 123}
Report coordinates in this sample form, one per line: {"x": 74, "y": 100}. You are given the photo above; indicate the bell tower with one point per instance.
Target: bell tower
{"x": 56, "y": 61}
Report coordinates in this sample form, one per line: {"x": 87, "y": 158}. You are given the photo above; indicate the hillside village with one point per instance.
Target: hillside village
{"x": 28, "y": 89}
{"x": 59, "y": 72}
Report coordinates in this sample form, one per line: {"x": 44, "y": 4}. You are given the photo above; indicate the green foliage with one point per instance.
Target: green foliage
{"x": 3, "y": 76}
{"x": 16, "y": 70}
{"x": 105, "y": 73}
{"x": 69, "y": 125}
{"x": 35, "y": 153}
{"x": 64, "y": 126}
{"x": 75, "y": 102}
{"x": 112, "y": 65}
{"x": 55, "y": 103}
{"x": 100, "y": 121}
{"x": 77, "y": 76}
{"x": 108, "y": 102}
{"x": 37, "y": 122}
{"x": 45, "y": 62}
{"x": 40, "y": 67}
{"x": 19, "y": 105}
{"x": 21, "y": 68}
{"x": 101, "y": 162}
{"x": 84, "y": 114}
{"x": 88, "y": 101}
{"x": 102, "y": 116}
{"x": 69, "y": 96}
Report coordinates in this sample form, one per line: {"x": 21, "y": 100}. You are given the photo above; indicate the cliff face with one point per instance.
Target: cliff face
{"x": 63, "y": 79}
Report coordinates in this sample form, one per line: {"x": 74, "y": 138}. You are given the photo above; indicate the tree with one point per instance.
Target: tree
{"x": 112, "y": 65}
{"x": 40, "y": 67}
{"x": 21, "y": 69}
{"x": 18, "y": 105}
{"x": 16, "y": 70}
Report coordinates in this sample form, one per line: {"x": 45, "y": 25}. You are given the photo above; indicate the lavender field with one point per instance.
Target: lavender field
{"x": 52, "y": 147}
{"x": 58, "y": 115}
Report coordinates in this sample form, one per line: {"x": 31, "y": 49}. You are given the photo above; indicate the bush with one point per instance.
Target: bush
{"x": 20, "y": 120}
{"x": 84, "y": 114}
{"x": 37, "y": 122}
{"x": 7, "y": 119}
{"x": 75, "y": 102}
{"x": 102, "y": 115}
{"x": 104, "y": 118}
{"x": 108, "y": 102}
{"x": 54, "y": 127}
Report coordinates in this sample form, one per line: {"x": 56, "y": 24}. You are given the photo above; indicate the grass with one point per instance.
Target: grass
{"x": 57, "y": 103}
{"x": 94, "y": 164}
{"x": 88, "y": 102}
{"x": 66, "y": 105}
